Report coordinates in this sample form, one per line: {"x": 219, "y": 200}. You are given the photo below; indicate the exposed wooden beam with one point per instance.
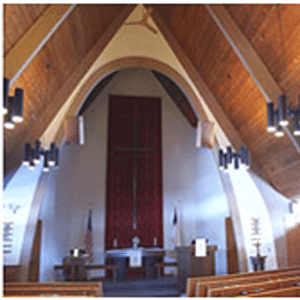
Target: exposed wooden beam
{"x": 74, "y": 79}
{"x": 34, "y": 39}
{"x": 200, "y": 84}
{"x": 251, "y": 60}
{"x": 13, "y": 161}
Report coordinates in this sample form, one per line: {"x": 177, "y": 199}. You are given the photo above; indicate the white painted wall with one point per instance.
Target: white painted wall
{"x": 251, "y": 204}
{"x": 189, "y": 177}
{"x": 278, "y": 208}
{"x": 19, "y": 192}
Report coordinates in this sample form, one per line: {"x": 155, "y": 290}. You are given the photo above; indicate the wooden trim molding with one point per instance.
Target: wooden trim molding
{"x": 34, "y": 39}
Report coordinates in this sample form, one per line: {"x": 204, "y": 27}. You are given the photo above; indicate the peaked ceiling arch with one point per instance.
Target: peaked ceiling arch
{"x": 130, "y": 63}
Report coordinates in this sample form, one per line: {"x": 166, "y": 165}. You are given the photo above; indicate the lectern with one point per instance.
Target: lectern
{"x": 191, "y": 266}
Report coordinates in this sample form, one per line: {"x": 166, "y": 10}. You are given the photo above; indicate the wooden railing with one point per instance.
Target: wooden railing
{"x": 58, "y": 289}
{"x": 199, "y": 286}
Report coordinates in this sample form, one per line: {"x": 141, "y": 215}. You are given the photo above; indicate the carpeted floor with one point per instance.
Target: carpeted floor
{"x": 141, "y": 287}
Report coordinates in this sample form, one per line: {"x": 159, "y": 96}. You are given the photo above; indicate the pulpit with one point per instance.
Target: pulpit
{"x": 191, "y": 266}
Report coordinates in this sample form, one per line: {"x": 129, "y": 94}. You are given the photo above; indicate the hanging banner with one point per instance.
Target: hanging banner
{"x": 135, "y": 259}
{"x": 200, "y": 250}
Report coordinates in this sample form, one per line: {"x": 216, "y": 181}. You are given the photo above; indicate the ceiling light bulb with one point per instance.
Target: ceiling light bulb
{"x": 45, "y": 169}
{"x": 26, "y": 163}
{"x": 9, "y": 125}
{"x": 297, "y": 132}
{"x": 17, "y": 119}
{"x": 51, "y": 163}
{"x": 284, "y": 122}
{"x": 279, "y": 133}
{"x": 5, "y": 110}
{"x": 271, "y": 129}
{"x": 36, "y": 161}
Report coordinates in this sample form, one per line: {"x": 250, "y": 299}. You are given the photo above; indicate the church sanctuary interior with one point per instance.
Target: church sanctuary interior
{"x": 151, "y": 150}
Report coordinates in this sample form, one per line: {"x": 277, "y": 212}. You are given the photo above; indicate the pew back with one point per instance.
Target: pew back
{"x": 28, "y": 289}
{"x": 201, "y": 289}
{"x": 251, "y": 288}
{"x": 191, "y": 282}
{"x": 293, "y": 291}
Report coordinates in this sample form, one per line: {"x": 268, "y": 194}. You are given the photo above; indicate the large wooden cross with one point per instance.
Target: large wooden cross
{"x": 135, "y": 149}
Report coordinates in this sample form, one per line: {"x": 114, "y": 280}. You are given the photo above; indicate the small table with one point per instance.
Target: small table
{"x": 150, "y": 257}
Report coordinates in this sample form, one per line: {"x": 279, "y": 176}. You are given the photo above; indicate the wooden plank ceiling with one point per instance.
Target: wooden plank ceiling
{"x": 207, "y": 49}
{"x": 51, "y": 71}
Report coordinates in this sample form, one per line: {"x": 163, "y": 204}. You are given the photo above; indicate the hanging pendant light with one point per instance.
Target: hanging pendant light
{"x": 12, "y": 106}
{"x": 46, "y": 164}
{"x": 221, "y": 160}
{"x": 8, "y": 122}
{"x": 278, "y": 128}
{"x": 17, "y": 109}
{"x": 297, "y": 124}
{"x": 32, "y": 156}
{"x": 52, "y": 155}
{"x": 56, "y": 157}
{"x": 31, "y": 165}
{"x": 27, "y": 154}
{"x": 233, "y": 160}
{"x": 271, "y": 117}
{"x": 5, "y": 95}
{"x": 280, "y": 118}
{"x": 282, "y": 111}
{"x": 37, "y": 152}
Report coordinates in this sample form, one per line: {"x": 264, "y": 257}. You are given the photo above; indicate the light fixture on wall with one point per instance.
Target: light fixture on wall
{"x": 233, "y": 160}
{"x": 12, "y": 106}
{"x": 32, "y": 156}
{"x": 279, "y": 118}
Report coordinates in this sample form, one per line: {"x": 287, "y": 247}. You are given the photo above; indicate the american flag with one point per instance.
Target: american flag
{"x": 89, "y": 238}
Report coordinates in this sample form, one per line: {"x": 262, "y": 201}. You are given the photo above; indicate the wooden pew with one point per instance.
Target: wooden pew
{"x": 60, "y": 289}
{"x": 293, "y": 291}
{"x": 251, "y": 288}
{"x": 203, "y": 286}
{"x": 191, "y": 282}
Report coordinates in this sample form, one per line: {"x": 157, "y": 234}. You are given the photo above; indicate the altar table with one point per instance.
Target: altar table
{"x": 150, "y": 256}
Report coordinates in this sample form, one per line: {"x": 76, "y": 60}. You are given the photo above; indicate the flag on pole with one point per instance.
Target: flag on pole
{"x": 175, "y": 216}
{"x": 176, "y": 229}
{"x": 89, "y": 238}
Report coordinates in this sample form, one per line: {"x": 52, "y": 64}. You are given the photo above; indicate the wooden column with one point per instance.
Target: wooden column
{"x": 34, "y": 266}
{"x": 232, "y": 258}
